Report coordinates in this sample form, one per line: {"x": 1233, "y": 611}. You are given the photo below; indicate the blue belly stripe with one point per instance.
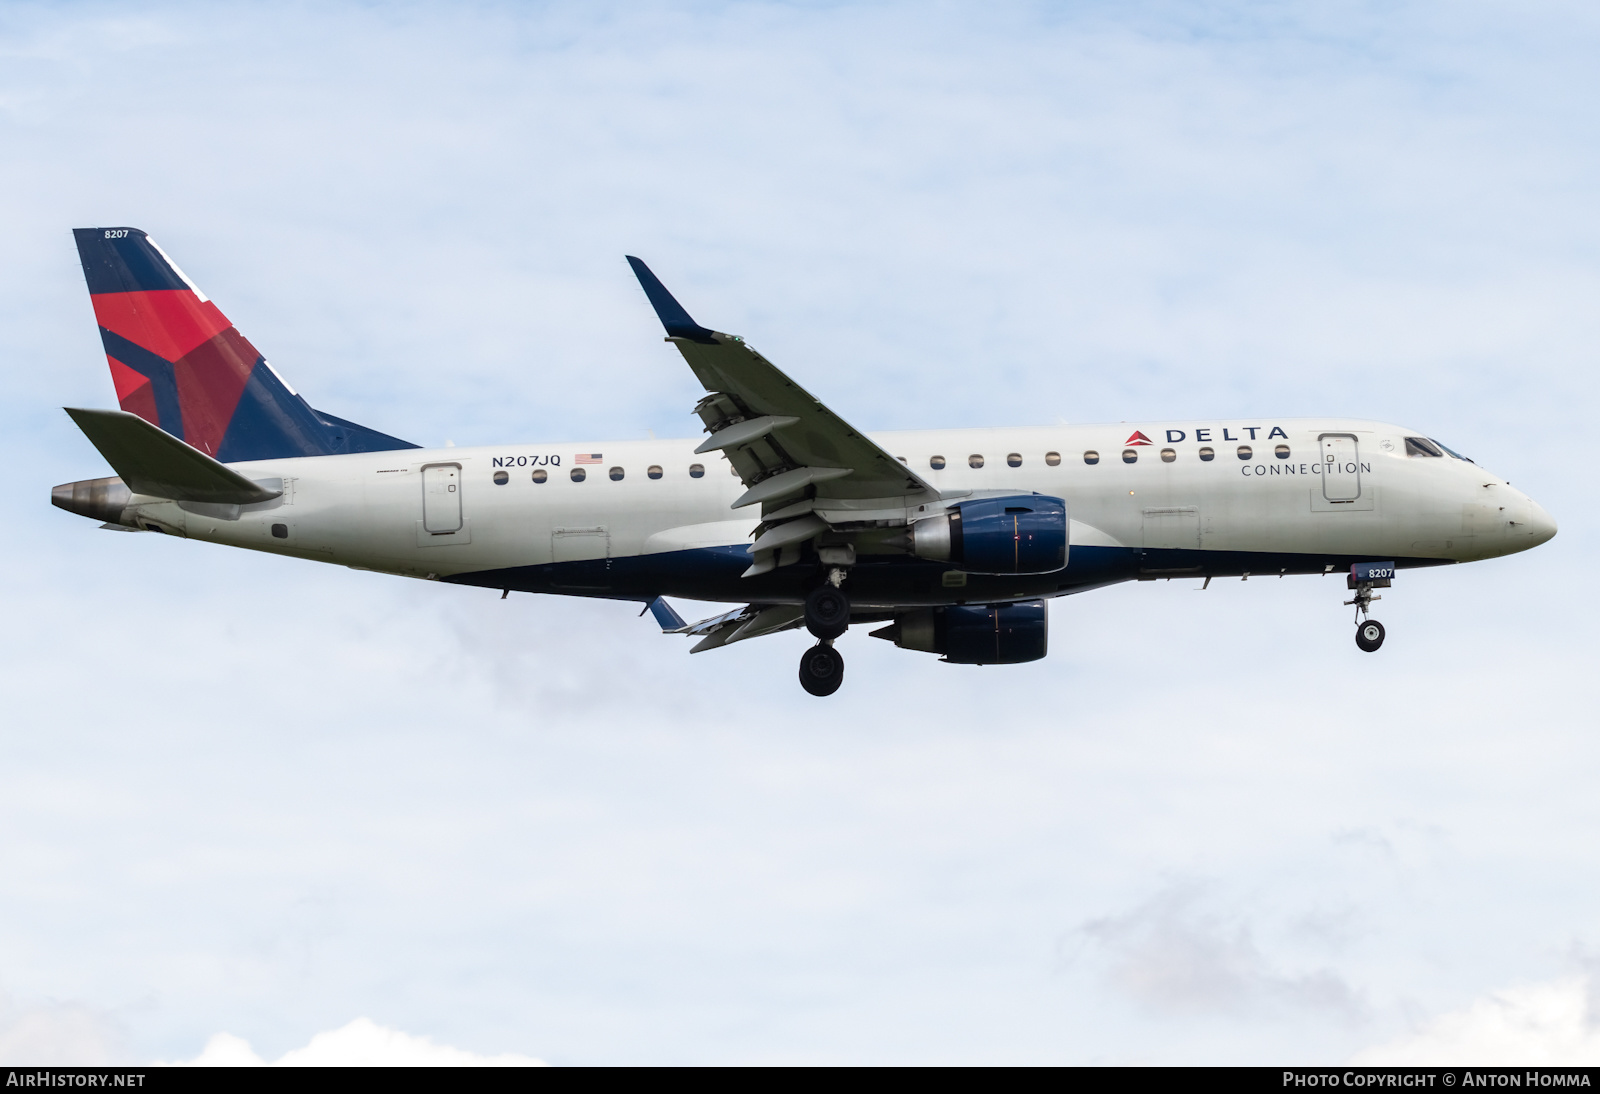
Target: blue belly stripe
{"x": 712, "y": 573}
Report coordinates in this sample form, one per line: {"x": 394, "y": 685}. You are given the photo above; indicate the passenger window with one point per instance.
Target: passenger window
{"x": 974, "y": 460}
{"x": 1244, "y": 452}
{"x": 579, "y": 474}
{"x": 936, "y": 462}
{"x": 1014, "y": 459}
{"x": 1421, "y": 446}
{"x": 540, "y": 475}
{"x": 1168, "y": 455}
{"x": 616, "y": 474}
{"x": 1208, "y": 454}
{"x": 501, "y": 478}
{"x": 654, "y": 471}
{"x": 697, "y": 470}
{"x": 1052, "y": 459}
{"x": 1091, "y": 457}
{"x": 1282, "y": 452}
{"x": 1130, "y": 455}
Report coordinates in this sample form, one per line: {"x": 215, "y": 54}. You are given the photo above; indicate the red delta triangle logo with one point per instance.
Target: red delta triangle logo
{"x": 1138, "y": 438}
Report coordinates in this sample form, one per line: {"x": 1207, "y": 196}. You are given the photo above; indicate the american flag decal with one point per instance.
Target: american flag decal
{"x": 588, "y": 457}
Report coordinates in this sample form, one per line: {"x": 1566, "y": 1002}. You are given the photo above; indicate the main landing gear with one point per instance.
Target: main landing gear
{"x": 827, "y": 617}
{"x": 1363, "y": 579}
{"x": 827, "y": 612}
{"x": 821, "y": 669}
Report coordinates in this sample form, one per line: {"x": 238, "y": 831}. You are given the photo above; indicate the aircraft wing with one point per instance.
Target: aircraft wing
{"x": 751, "y": 621}
{"x": 769, "y": 426}
{"x": 792, "y": 453}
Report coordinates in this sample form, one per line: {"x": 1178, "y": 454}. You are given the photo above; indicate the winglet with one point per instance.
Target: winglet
{"x": 671, "y": 313}
{"x": 670, "y": 621}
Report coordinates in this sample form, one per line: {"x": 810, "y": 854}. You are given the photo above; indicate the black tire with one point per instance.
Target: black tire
{"x": 1369, "y": 635}
{"x": 827, "y": 612}
{"x": 821, "y": 670}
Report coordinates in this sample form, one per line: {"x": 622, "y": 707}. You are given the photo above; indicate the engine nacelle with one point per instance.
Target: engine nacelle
{"x": 1000, "y": 634}
{"x": 1026, "y": 534}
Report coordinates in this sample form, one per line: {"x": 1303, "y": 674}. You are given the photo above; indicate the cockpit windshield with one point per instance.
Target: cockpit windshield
{"x": 1423, "y": 446}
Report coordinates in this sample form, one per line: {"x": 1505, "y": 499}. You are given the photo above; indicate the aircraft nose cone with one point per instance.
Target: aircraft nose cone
{"x": 1541, "y": 525}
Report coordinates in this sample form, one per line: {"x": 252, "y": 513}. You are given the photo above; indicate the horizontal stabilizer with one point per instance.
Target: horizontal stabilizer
{"x": 154, "y": 462}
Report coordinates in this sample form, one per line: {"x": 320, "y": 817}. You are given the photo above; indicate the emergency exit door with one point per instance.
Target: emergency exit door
{"x": 1341, "y": 467}
{"x": 441, "y": 499}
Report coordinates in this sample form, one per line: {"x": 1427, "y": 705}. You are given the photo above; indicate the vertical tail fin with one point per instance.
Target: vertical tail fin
{"x": 178, "y": 363}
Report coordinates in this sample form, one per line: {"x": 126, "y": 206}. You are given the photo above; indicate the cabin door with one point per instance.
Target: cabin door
{"x": 1341, "y": 468}
{"x": 441, "y": 499}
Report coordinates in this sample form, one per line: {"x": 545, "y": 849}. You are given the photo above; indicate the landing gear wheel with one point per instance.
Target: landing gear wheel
{"x": 1369, "y": 635}
{"x": 821, "y": 669}
{"x": 827, "y": 612}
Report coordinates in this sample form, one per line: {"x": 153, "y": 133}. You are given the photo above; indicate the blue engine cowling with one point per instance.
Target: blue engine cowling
{"x": 998, "y": 634}
{"x": 1025, "y": 534}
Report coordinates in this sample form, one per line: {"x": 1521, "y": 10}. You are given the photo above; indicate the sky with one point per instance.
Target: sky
{"x": 253, "y": 809}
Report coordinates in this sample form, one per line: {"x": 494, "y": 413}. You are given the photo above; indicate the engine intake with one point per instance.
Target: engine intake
{"x": 997, "y": 634}
{"x": 1026, "y": 534}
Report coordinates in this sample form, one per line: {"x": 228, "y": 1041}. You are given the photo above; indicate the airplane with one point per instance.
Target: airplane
{"x": 953, "y": 540}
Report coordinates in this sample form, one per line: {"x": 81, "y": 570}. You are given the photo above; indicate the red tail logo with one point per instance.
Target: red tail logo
{"x": 180, "y": 365}
{"x": 1138, "y": 438}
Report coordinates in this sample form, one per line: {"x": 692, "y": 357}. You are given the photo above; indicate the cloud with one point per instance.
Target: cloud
{"x": 1172, "y": 956}
{"x": 1547, "y": 1024}
{"x": 362, "y": 1043}
{"x": 64, "y": 1034}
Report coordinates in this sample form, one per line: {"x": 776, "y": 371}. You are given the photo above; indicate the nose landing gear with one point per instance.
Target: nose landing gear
{"x": 1364, "y": 577}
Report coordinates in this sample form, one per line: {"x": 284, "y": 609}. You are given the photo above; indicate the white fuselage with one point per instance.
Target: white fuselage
{"x": 368, "y": 510}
